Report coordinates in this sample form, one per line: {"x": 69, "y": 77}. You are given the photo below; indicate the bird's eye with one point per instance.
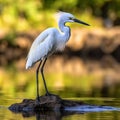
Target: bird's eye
{"x": 70, "y": 18}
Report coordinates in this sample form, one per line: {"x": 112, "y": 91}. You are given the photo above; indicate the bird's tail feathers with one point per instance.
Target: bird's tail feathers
{"x": 28, "y": 65}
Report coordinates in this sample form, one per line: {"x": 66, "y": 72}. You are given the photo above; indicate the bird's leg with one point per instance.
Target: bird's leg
{"x": 37, "y": 81}
{"x": 42, "y": 67}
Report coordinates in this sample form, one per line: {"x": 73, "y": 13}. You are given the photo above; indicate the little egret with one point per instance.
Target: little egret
{"x": 49, "y": 41}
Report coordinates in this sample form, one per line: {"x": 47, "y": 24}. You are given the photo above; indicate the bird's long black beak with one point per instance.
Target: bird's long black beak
{"x": 81, "y": 22}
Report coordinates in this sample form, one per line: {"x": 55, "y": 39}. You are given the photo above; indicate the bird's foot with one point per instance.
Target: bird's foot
{"x": 48, "y": 94}
{"x": 38, "y": 100}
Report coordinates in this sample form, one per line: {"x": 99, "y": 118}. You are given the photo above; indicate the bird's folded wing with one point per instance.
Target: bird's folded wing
{"x": 39, "y": 49}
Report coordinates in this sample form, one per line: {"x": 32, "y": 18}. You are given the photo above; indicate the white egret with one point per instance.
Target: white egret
{"x": 49, "y": 41}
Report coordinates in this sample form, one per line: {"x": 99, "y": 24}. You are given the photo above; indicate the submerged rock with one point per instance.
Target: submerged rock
{"x": 54, "y": 108}
{"x": 52, "y": 102}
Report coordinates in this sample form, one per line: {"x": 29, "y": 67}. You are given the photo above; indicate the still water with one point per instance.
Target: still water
{"x": 96, "y": 83}
{"x": 110, "y": 110}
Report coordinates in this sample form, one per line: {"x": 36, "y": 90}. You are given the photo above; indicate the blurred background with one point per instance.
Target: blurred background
{"x": 88, "y": 67}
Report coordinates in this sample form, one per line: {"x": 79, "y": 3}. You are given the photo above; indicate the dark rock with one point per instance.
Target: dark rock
{"x": 54, "y": 108}
{"x": 47, "y": 103}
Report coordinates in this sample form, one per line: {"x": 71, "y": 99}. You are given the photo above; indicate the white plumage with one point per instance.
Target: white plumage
{"x": 45, "y": 44}
{"x": 48, "y": 42}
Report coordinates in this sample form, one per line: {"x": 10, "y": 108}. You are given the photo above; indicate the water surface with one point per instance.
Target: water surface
{"x": 110, "y": 110}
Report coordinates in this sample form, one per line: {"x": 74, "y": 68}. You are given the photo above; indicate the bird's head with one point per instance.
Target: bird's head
{"x": 67, "y": 17}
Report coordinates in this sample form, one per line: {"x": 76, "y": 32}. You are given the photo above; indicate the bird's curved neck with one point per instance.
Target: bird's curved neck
{"x": 65, "y": 30}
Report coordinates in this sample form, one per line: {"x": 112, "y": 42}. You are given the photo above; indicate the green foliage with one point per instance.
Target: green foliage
{"x": 27, "y": 13}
